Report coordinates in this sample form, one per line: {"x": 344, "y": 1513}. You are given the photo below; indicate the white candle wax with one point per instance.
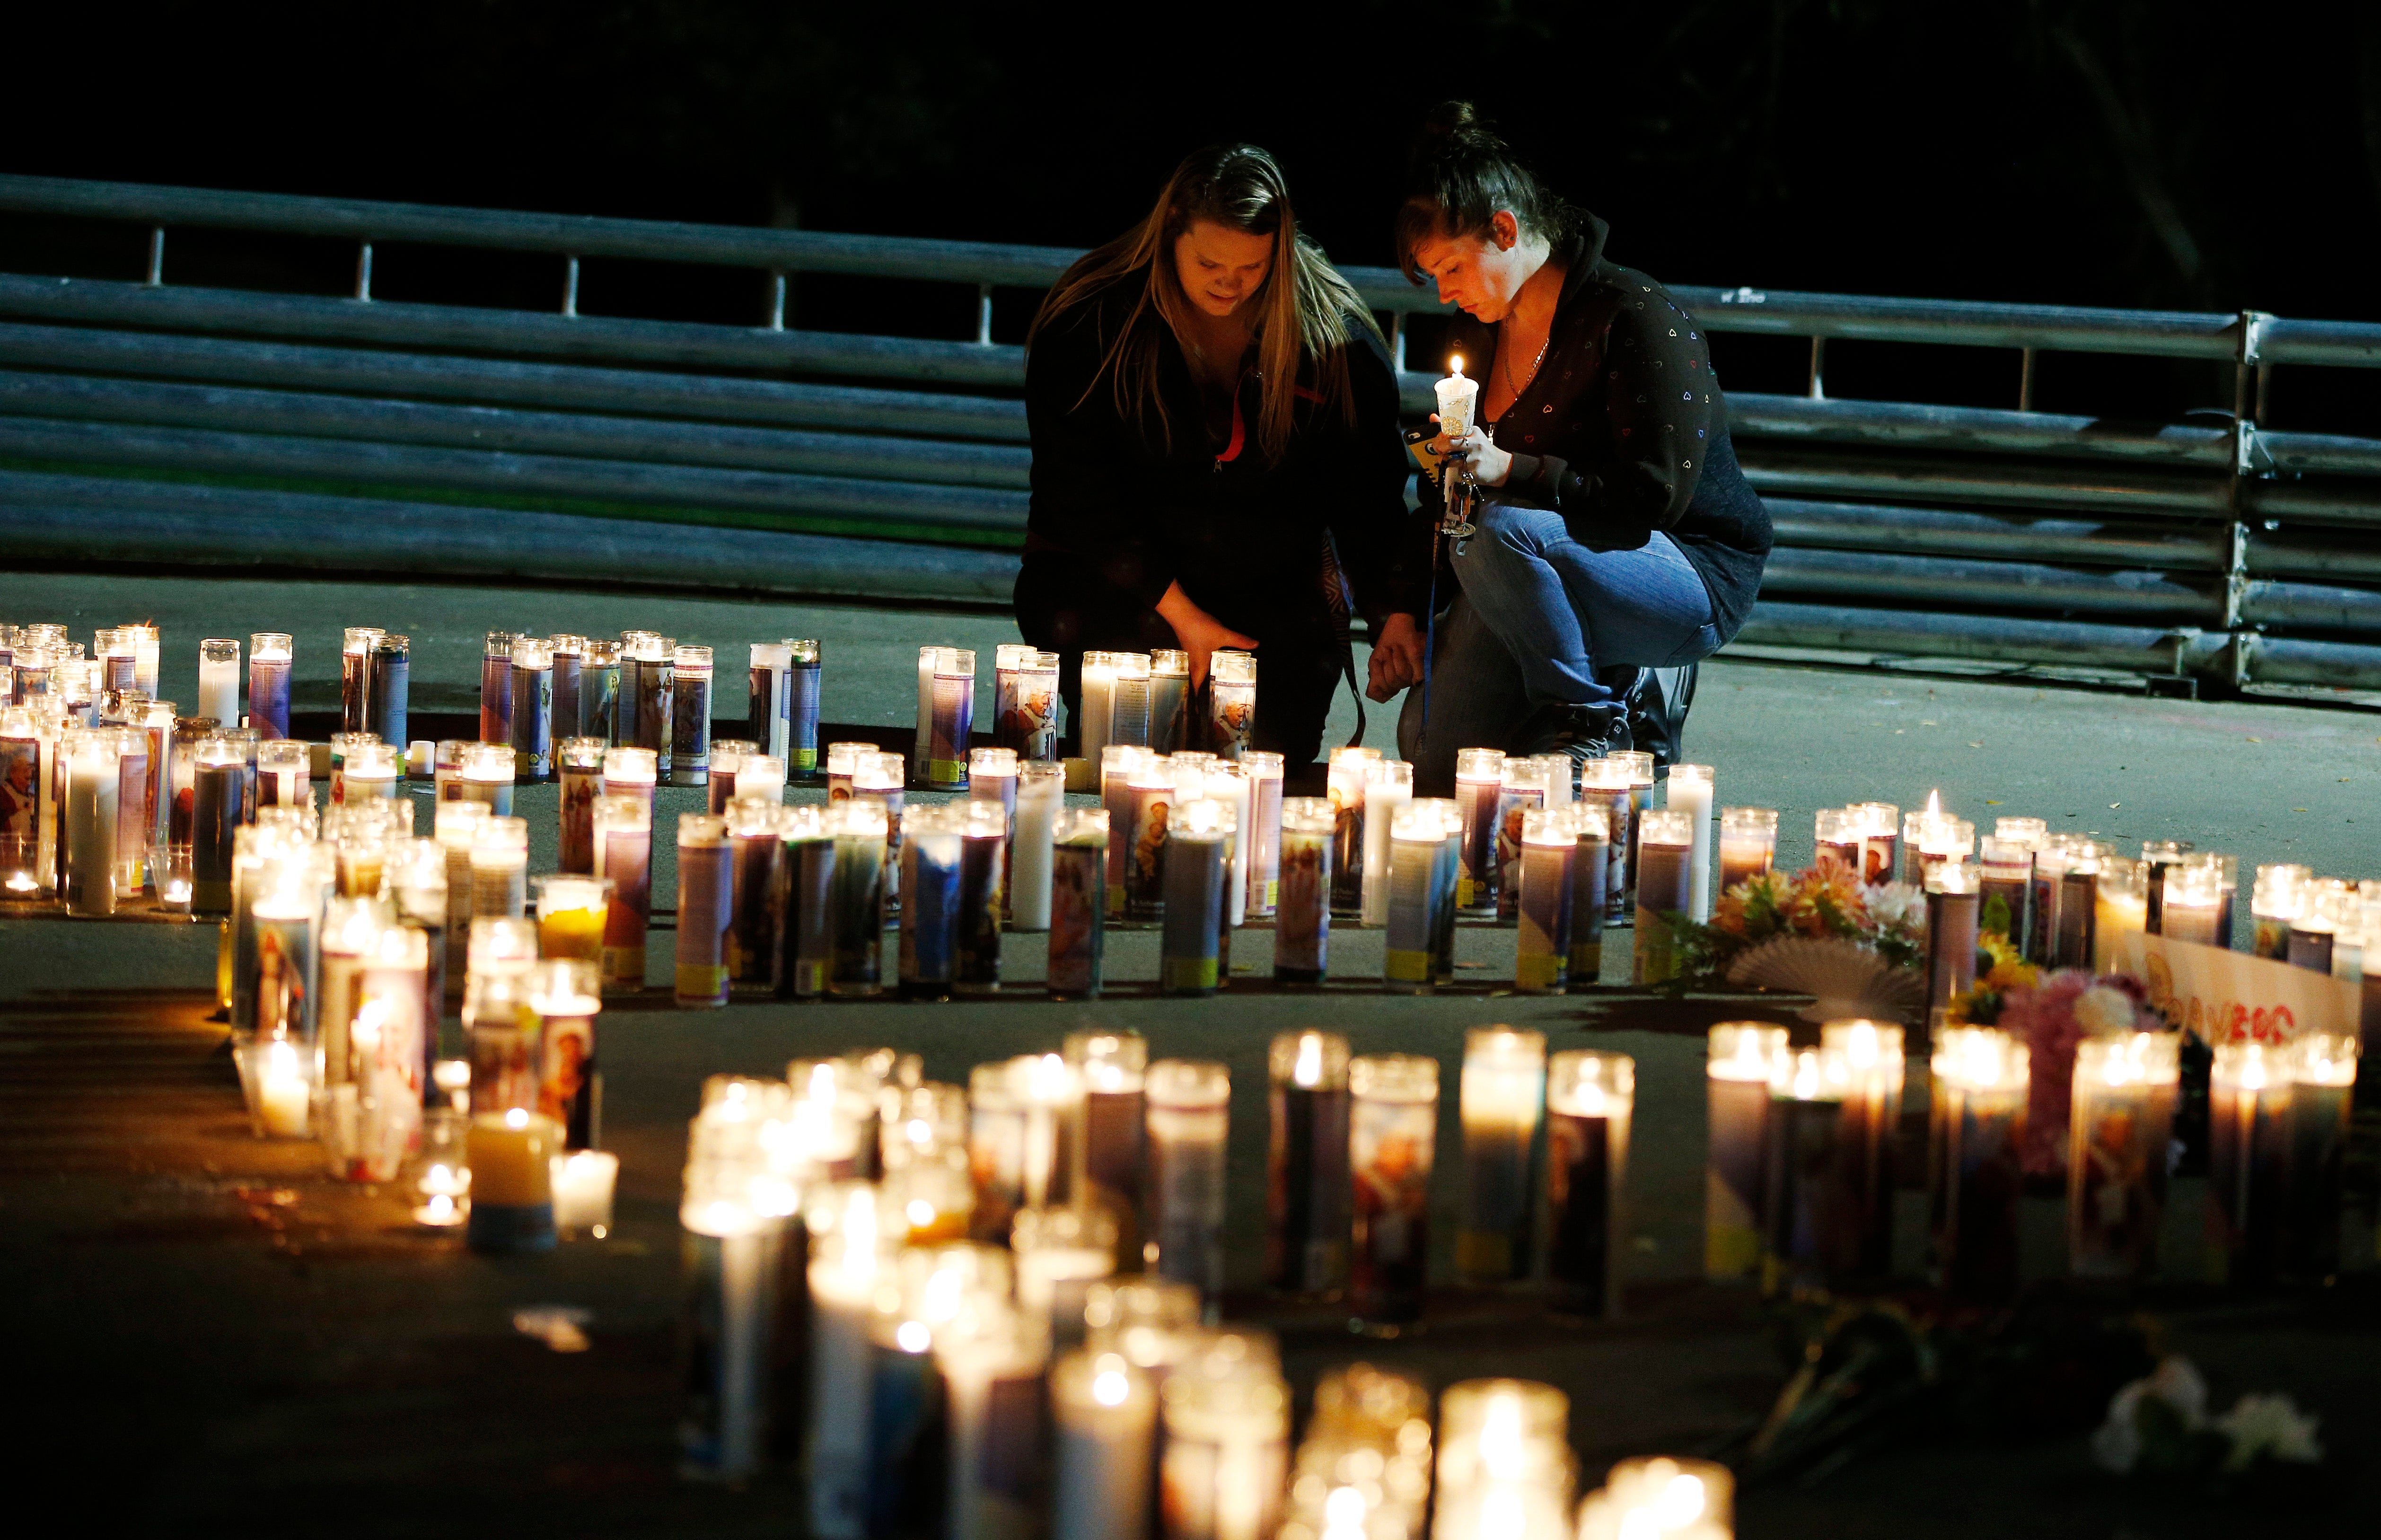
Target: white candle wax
{"x": 282, "y": 1092}
{"x": 1099, "y": 704}
{"x": 1690, "y": 792}
{"x": 1041, "y": 793}
{"x": 1389, "y": 788}
{"x": 219, "y": 682}
{"x": 92, "y": 785}
{"x": 1106, "y": 1412}
{"x": 924, "y": 744}
{"x": 843, "y": 1290}
{"x": 1457, "y": 398}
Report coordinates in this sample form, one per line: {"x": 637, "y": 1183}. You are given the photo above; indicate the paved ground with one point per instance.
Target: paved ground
{"x": 271, "y": 1341}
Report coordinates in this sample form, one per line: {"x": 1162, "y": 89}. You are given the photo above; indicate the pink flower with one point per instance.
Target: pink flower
{"x": 2043, "y": 1017}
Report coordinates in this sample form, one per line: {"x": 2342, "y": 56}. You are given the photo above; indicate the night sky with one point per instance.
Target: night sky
{"x": 2184, "y": 155}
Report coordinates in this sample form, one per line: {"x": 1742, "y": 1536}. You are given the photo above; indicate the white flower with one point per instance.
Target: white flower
{"x": 2101, "y": 1011}
{"x": 1896, "y": 905}
{"x": 2117, "y": 1444}
{"x": 2271, "y": 1426}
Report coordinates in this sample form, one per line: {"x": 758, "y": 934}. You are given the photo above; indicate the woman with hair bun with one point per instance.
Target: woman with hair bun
{"x": 1617, "y": 537}
{"x": 1216, "y": 456}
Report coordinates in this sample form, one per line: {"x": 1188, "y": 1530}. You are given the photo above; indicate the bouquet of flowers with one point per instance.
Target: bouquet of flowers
{"x": 1819, "y": 932}
{"x": 2050, "y": 1013}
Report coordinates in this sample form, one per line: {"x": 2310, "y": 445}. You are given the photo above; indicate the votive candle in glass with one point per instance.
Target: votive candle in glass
{"x": 725, "y": 761}
{"x": 2158, "y": 857}
{"x": 1095, "y": 718}
{"x": 1806, "y": 1189}
{"x": 1029, "y": 715}
{"x": 2005, "y": 881}
{"x": 952, "y": 721}
{"x": 1590, "y": 870}
{"x": 1521, "y": 792}
{"x": 371, "y": 773}
{"x": 598, "y": 688}
{"x": 454, "y": 827}
{"x": 1389, "y": 785}
{"x": 2227, "y": 870}
{"x": 879, "y": 776}
{"x": 578, "y": 767}
{"x": 1665, "y": 873}
{"x": 623, "y": 834}
{"x": 2250, "y": 1135}
{"x": 268, "y": 683}
{"x": 1549, "y": 859}
{"x": 144, "y": 639}
{"x": 766, "y": 696}
{"x": 219, "y": 808}
{"x": 856, "y": 896}
{"x": 756, "y": 880}
{"x": 1189, "y": 1118}
{"x": 1079, "y": 859}
{"x": 1879, "y": 826}
{"x": 1151, "y": 799}
{"x": 2121, "y": 1122}
{"x": 1591, "y": 1099}
{"x": 90, "y": 832}
{"x": 531, "y": 734}
{"x": 1479, "y": 775}
{"x": 282, "y": 773}
{"x": 689, "y": 717}
{"x": 1231, "y": 702}
{"x": 2189, "y": 904}
{"x": 1119, "y": 764}
{"x": 1504, "y": 1092}
{"x": 1392, "y": 1138}
{"x": 496, "y": 686}
{"x": 2327, "y": 907}
{"x": 1742, "y": 1058}
{"x": 486, "y": 777}
{"x": 1690, "y": 792}
{"x": 1979, "y": 1086}
{"x": 803, "y": 680}
{"x": 1306, "y": 1164}
{"x": 2120, "y": 901}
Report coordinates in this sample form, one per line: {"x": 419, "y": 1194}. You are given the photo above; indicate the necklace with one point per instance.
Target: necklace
{"x": 1505, "y": 362}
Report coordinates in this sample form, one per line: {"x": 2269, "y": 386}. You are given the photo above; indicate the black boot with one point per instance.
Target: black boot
{"x": 1582, "y": 732}
{"x": 1658, "y": 702}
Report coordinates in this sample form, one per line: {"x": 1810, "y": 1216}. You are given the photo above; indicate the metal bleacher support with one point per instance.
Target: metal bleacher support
{"x": 154, "y": 425}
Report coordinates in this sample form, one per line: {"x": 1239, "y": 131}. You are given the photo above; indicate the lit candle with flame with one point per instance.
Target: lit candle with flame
{"x": 1457, "y": 398}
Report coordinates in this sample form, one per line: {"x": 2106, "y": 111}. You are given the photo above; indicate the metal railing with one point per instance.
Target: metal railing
{"x": 2213, "y": 547}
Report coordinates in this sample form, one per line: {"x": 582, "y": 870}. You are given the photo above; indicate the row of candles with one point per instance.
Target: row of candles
{"x": 348, "y": 942}
{"x": 1805, "y": 1146}
{"x": 868, "y": 1254}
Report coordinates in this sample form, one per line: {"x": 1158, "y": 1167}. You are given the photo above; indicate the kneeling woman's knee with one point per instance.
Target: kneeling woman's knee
{"x": 1505, "y": 532}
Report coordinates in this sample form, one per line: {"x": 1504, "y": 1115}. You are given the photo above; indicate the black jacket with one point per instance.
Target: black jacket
{"x": 1624, "y": 430}
{"x": 1242, "y": 537}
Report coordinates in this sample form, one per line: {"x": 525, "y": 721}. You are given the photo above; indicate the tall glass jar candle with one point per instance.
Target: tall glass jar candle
{"x": 727, "y": 756}
{"x": 371, "y": 773}
{"x": 1665, "y": 874}
{"x": 2191, "y": 904}
{"x": 599, "y": 690}
{"x": 268, "y": 683}
{"x": 282, "y": 778}
{"x": 1153, "y": 811}
{"x": 689, "y": 743}
{"x": 1026, "y": 707}
{"x": 1306, "y": 1164}
{"x": 803, "y": 694}
{"x": 2248, "y": 1162}
{"x": 1231, "y": 702}
{"x": 879, "y": 776}
{"x": 1421, "y": 896}
{"x": 487, "y": 774}
{"x": 219, "y": 807}
{"x": 1129, "y": 719}
{"x": 1302, "y": 932}
{"x": 806, "y": 934}
{"x": 1389, "y": 785}
{"x": 1079, "y": 860}
{"x": 631, "y": 771}
{"x": 1522, "y": 790}
{"x": 1479, "y": 775}
{"x": 647, "y": 709}
{"x": 2323, "y": 1079}
{"x": 622, "y": 830}
{"x": 1041, "y": 796}
{"x": 1119, "y": 764}
{"x": 1549, "y": 854}
{"x": 355, "y": 677}
{"x": 1951, "y": 923}
{"x": 1392, "y": 1139}
{"x": 1189, "y": 1115}
{"x": 579, "y": 766}
{"x": 765, "y": 696}
{"x": 2158, "y": 857}
{"x": 2121, "y": 1121}
{"x": 1605, "y": 784}
{"x": 1170, "y": 701}
{"x": 1748, "y": 844}
{"x": 1590, "y": 874}
{"x": 1591, "y": 1100}
{"x": 1742, "y": 1058}
{"x": 1979, "y": 1080}
{"x": 761, "y": 775}
{"x": 930, "y": 890}
{"x": 1190, "y": 956}
{"x": 1349, "y": 777}
{"x": 1096, "y": 717}
{"x": 952, "y": 720}
{"x": 1866, "y": 1060}
{"x": 93, "y": 811}
{"x": 856, "y": 896}
{"x": 532, "y": 725}
{"x": 1260, "y": 837}
{"x": 984, "y": 878}
{"x": 755, "y": 881}
{"x": 1690, "y": 793}
{"x": 2121, "y": 906}
{"x": 1504, "y": 1092}
{"x": 705, "y": 889}
{"x": 2274, "y": 903}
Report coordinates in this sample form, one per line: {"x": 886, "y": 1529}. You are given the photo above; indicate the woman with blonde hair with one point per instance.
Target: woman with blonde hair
{"x": 1216, "y": 459}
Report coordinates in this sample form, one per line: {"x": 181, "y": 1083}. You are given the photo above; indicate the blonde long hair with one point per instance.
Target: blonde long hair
{"x": 1239, "y": 186}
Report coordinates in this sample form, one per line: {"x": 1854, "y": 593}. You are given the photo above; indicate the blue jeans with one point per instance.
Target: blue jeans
{"x": 1539, "y": 614}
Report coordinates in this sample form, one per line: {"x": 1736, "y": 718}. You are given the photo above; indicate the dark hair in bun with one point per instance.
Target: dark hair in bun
{"x": 1460, "y": 174}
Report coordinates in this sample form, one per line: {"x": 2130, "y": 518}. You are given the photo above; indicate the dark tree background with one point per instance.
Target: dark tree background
{"x": 2181, "y": 154}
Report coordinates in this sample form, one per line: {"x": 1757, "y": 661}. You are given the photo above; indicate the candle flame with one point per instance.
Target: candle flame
{"x": 516, "y": 1118}
{"x": 1308, "y": 1071}
{"x": 1933, "y": 805}
{"x": 1806, "y": 1075}
{"x": 1109, "y": 1387}
{"x": 1500, "y": 1438}
{"x": 859, "y": 1234}
{"x": 1455, "y": 366}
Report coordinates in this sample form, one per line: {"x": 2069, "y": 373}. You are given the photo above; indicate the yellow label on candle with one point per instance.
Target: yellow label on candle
{"x": 1407, "y": 967}
{"x": 946, "y": 771}
{"x": 1272, "y": 893}
{"x": 810, "y": 977}
{"x": 1188, "y": 972}
{"x": 625, "y": 965}
{"x": 701, "y": 980}
{"x": 1587, "y": 959}
{"x": 1483, "y": 1254}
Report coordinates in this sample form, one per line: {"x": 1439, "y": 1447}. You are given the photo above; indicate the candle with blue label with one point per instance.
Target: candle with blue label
{"x": 268, "y": 683}
{"x": 1549, "y": 854}
{"x": 953, "y": 722}
{"x": 1078, "y": 855}
{"x": 1591, "y": 1099}
{"x": 496, "y": 687}
{"x": 1195, "y": 875}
